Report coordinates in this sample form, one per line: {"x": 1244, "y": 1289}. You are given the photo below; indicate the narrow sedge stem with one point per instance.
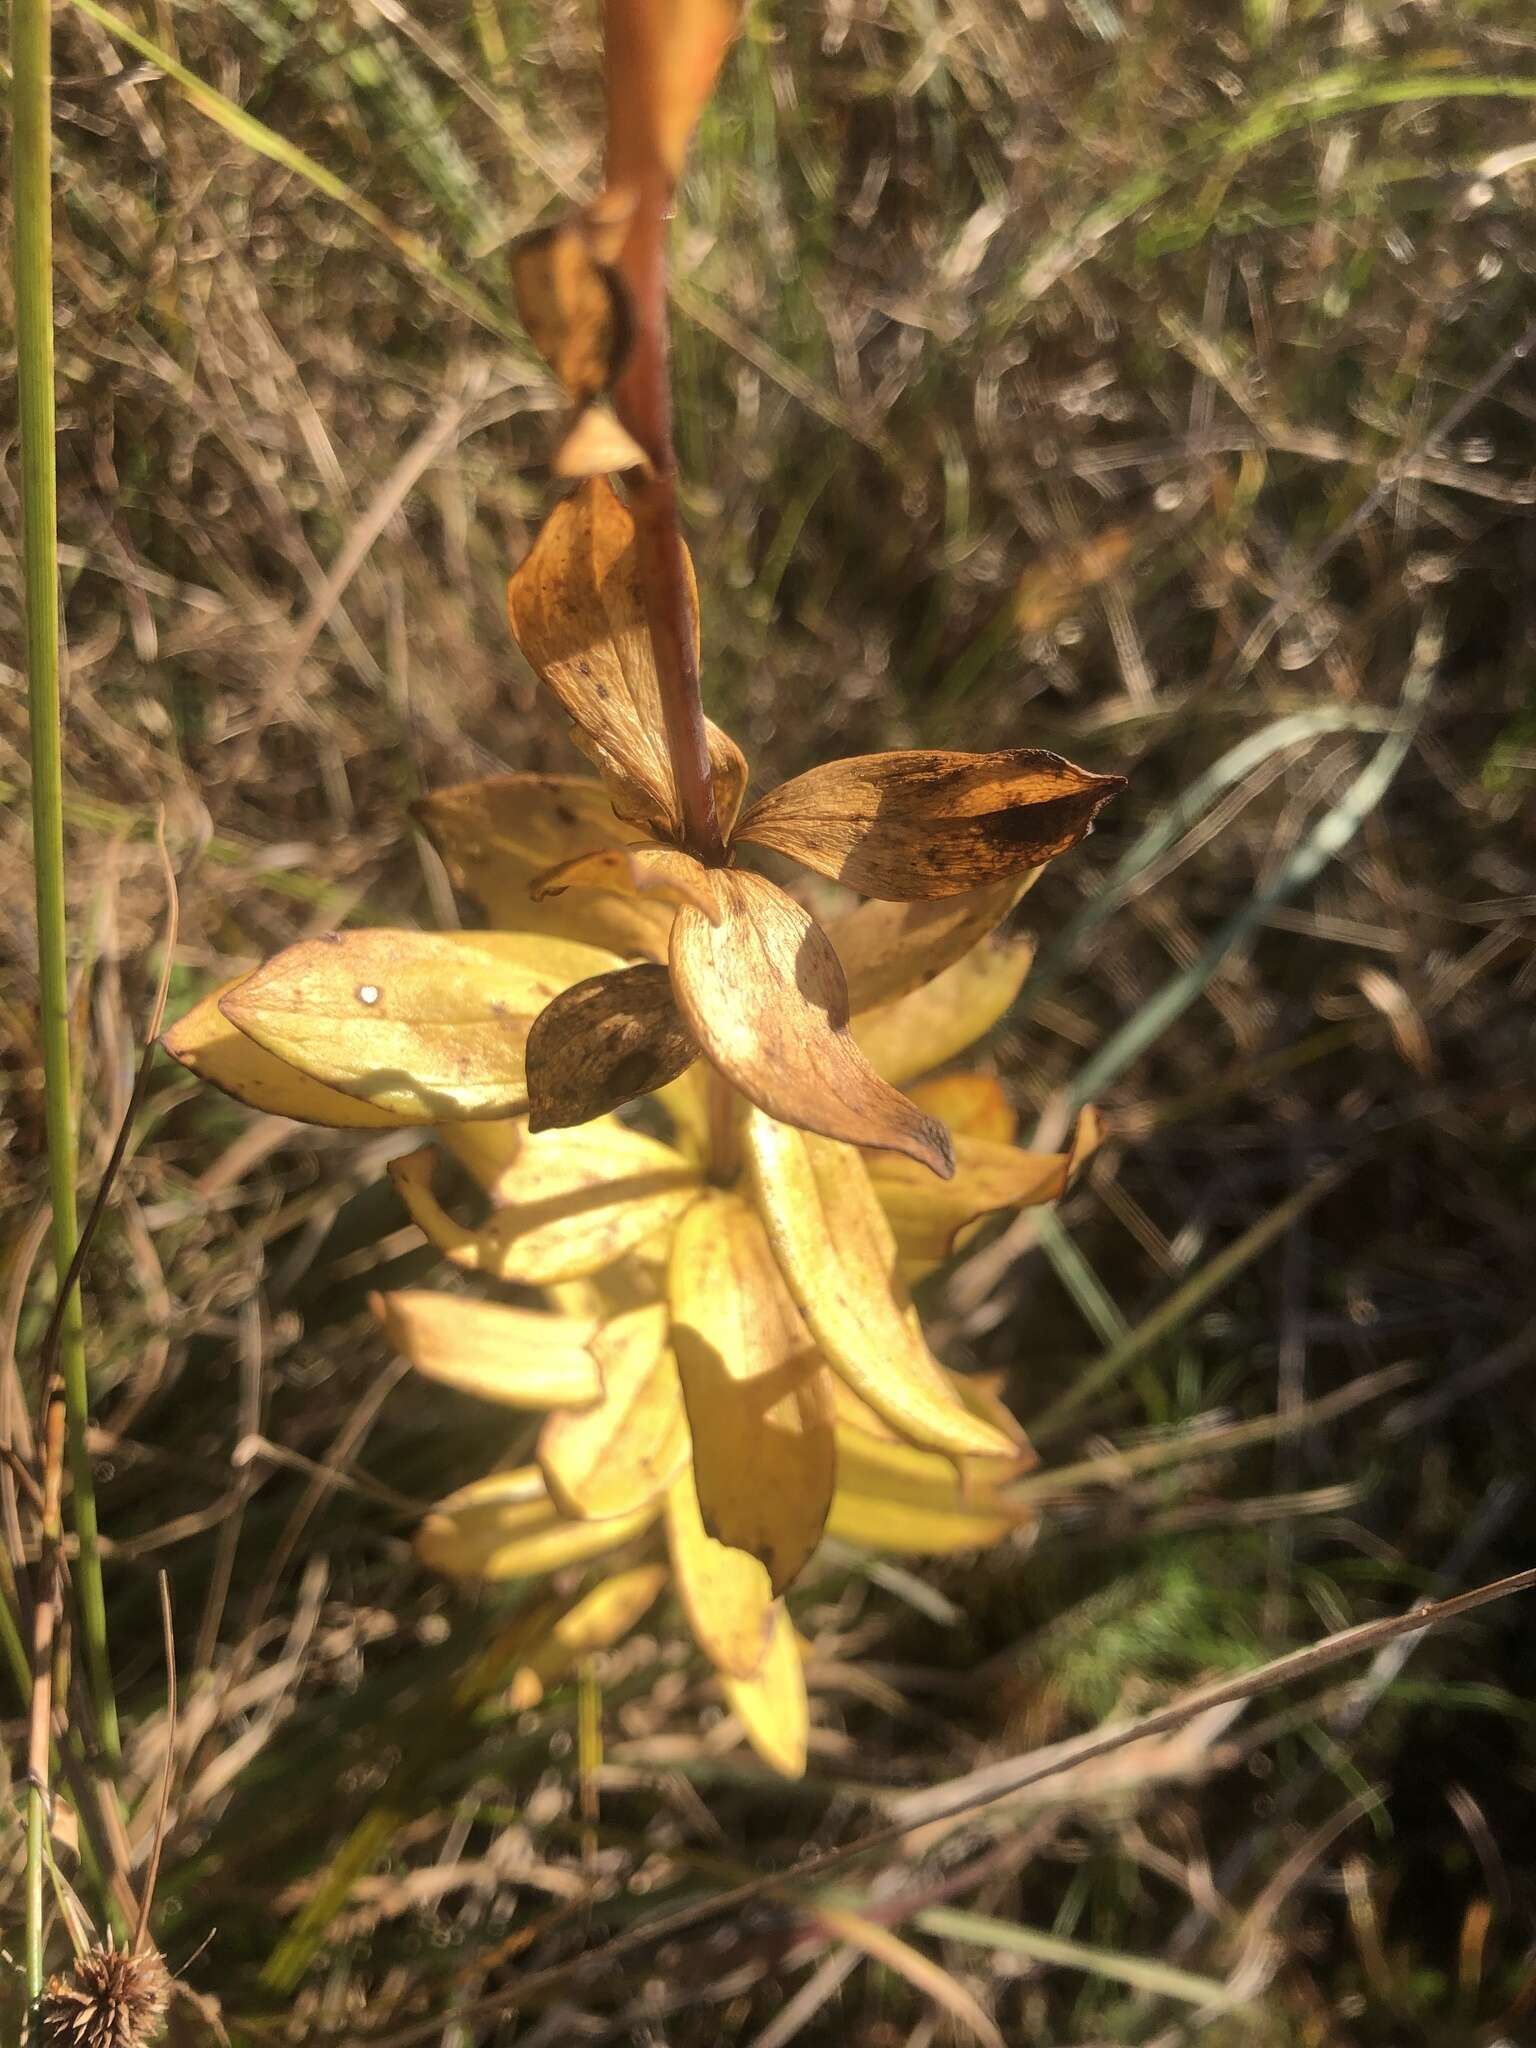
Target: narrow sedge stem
{"x": 643, "y": 401}
{"x": 45, "y": 1618}
{"x": 32, "y": 198}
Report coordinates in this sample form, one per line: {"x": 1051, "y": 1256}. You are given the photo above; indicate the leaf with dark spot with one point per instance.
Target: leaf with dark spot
{"x": 603, "y": 1042}
{"x": 926, "y": 822}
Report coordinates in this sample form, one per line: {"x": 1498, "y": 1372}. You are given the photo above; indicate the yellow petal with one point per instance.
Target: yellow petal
{"x": 571, "y": 1203}
{"x": 771, "y": 1705}
{"x": 487, "y": 1150}
{"x": 758, "y": 1392}
{"x": 898, "y": 1498}
{"x": 208, "y": 1045}
{"x": 725, "y": 1593}
{"x": 602, "y": 1043}
{"x": 922, "y": 1030}
{"x": 928, "y": 1215}
{"x": 507, "y": 1527}
{"x": 428, "y": 1025}
{"x": 577, "y": 612}
{"x": 618, "y": 1456}
{"x": 888, "y": 949}
{"x": 835, "y": 1248}
{"x": 980, "y": 1392}
{"x": 574, "y": 308}
{"x": 524, "y": 1358}
{"x": 596, "y": 1621}
{"x": 764, "y": 995}
{"x": 930, "y": 822}
{"x": 973, "y": 1105}
{"x": 412, "y": 1174}
{"x": 496, "y": 835}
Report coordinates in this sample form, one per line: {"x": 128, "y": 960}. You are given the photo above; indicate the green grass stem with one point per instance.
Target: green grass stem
{"x": 32, "y": 270}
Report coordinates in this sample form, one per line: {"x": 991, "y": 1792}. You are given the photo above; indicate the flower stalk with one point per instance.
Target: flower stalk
{"x": 31, "y": 187}
{"x": 642, "y": 399}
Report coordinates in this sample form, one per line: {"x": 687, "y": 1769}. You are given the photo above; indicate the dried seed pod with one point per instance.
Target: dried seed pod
{"x": 110, "y": 1998}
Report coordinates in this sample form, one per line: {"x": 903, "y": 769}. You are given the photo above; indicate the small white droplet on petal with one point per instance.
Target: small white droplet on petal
{"x": 368, "y": 993}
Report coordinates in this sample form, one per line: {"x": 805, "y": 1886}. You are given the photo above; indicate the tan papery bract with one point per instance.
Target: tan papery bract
{"x": 520, "y": 1357}
{"x": 497, "y": 836}
{"x": 208, "y": 1045}
{"x": 923, "y": 1030}
{"x": 927, "y": 1215}
{"x": 578, "y": 614}
{"x": 725, "y": 1593}
{"x": 597, "y": 445}
{"x": 763, "y": 994}
{"x": 771, "y": 1705}
{"x": 619, "y": 1455}
{"x": 602, "y": 1043}
{"x": 758, "y": 1392}
{"x": 835, "y": 1249}
{"x": 428, "y": 1025}
{"x": 928, "y": 822}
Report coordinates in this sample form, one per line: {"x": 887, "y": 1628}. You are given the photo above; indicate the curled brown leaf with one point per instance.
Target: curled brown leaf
{"x": 928, "y": 822}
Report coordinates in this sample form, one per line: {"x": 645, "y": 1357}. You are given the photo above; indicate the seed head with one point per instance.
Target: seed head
{"x": 111, "y": 1998}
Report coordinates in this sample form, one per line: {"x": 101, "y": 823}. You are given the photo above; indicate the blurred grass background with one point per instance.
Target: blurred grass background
{"x": 1149, "y": 382}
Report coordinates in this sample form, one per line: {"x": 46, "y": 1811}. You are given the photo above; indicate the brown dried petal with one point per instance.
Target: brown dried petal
{"x": 926, "y": 822}
{"x": 765, "y": 997}
{"x": 577, "y": 612}
{"x": 603, "y": 1042}
{"x": 576, "y": 310}
{"x": 663, "y": 57}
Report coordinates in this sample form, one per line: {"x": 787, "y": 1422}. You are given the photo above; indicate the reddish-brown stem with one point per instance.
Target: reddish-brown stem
{"x": 643, "y": 401}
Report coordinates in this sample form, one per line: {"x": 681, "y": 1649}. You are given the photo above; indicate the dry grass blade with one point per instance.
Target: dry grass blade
{"x": 1286, "y": 1670}
{"x": 929, "y": 1977}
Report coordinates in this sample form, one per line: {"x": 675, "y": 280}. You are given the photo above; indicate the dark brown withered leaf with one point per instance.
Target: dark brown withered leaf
{"x": 603, "y": 1042}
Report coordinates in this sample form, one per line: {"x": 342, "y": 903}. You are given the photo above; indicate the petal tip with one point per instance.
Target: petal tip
{"x": 934, "y": 1147}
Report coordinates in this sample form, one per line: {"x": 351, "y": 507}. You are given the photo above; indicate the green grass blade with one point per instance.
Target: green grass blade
{"x": 244, "y": 127}
{"x": 1328, "y": 838}
{"x": 953, "y": 1923}
{"x": 1185, "y": 1301}
{"x": 33, "y": 270}
{"x": 1169, "y": 826}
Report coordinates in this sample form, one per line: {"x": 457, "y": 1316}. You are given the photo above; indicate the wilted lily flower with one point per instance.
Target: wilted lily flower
{"x": 753, "y": 982}
{"x": 704, "y": 1410}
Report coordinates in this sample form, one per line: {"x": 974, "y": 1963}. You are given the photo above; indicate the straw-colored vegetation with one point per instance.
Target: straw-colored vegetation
{"x": 1150, "y": 387}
